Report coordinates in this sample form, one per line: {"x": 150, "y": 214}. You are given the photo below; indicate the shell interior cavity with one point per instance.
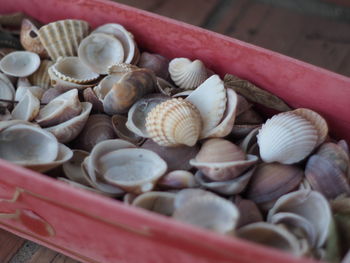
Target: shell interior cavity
{"x": 20, "y": 63}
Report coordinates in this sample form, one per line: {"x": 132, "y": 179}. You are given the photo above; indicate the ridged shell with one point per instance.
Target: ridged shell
{"x": 72, "y": 69}
{"x": 187, "y": 74}
{"x": 100, "y": 51}
{"x": 27, "y": 108}
{"x": 20, "y": 63}
{"x": 41, "y": 77}
{"x": 174, "y": 122}
{"x": 62, "y": 38}
{"x": 286, "y": 138}
{"x": 210, "y": 99}
{"x": 30, "y": 39}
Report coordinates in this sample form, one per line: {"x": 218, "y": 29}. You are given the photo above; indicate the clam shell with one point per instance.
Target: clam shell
{"x": 177, "y": 179}
{"x": 99, "y": 51}
{"x": 34, "y": 90}
{"x": 309, "y": 204}
{"x": 30, "y": 39}
{"x": 41, "y": 77}
{"x": 336, "y": 155}
{"x": 52, "y": 93}
{"x": 90, "y": 96}
{"x": 105, "y": 85}
{"x": 249, "y": 212}
{"x": 134, "y": 170}
{"x": 120, "y": 128}
{"x": 68, "y": 130}
{"x": 187, "y": 74}
{"x": 210, "y": 99}
{"x": 286, "y": 138}
{"x": 72, "y": 168}
{"x": 198, "y": 211}
{"x": 186, "y": 195}
{"x": 60, "y": 109}
{"x": 7, "y": 90}
{"x": 158, "y": 202}
{"x": 27, "y": 108}
{"x": 62, "y": 38}
{"x": 155, "y": 62}
{"x": 20, "y": 63}
{"x": 72, "y": 69}
{"x": 131, "y": 52}
{"x": 174, "y": 122}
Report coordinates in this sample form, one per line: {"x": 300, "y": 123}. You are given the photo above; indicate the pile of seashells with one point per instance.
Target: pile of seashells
{"x": 170, "y": 136}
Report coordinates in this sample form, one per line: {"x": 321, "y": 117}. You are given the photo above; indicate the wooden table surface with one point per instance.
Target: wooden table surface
{"x": 314, "y": 31}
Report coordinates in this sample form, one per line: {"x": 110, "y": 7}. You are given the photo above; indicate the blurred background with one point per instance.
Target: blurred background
{"x": 315, "y": 31}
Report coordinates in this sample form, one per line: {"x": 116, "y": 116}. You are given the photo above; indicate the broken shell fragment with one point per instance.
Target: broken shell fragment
{"x": 30, "y": 39}
{"x": 20, "y": 63}
{"x": 158, "y": 202}
{"x": 27, "y": 108}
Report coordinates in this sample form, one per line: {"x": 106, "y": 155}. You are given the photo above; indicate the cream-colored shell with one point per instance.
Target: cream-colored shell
{"x": 41, "y": 77}
{"x": 187, "y": 74}
{"x": 31, "y": 42}
{"x": 158, "y": 202}
{"x": 27, "y": 108}
{"x": 286, "y": 138}
{"x": 62, "y": 38}
{"x": 20, "y": 63}
{"x": 174, "y": 122}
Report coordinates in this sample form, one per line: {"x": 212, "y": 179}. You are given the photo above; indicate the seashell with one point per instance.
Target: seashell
{"x": 221, "y": 160}
{"x": 105, "y": 85}
{"x": 130, "y": 88}
{"x": 240, "y": 131}
{"x": 128, "y": 198}
{"x": 62, "y": 38}
{"x": 21, "y": 91}
{"x": 155, "y": 62}
{"x": 134, "y": 170}
{"x": 174, "y": 122}
{"x": 317, "y": 120}
{"x": 336, "y": 155}
{"x": 98, "y": 128}
{"x": 187, "y": 74}
{"x": 167, "y": 88}
{"x": 210, "y": 99}
{"x": 120, "y": 128}
{"x": 7, "y": 90}
{"x": 20, "y": 63}
{"x": 344, "y": 145}
{"x": 198, "y": 211}
{"x": 52, "y": 93}
{"x": 326, "y": 177}
{"x": 229, "y": 187}
{"x": 248, "y": 210}
{"x": 68, "y": 130}
{"x": 90, "y": 96}
{"x": 250, "y": 140}
{"x": 177, "y": 179}
{"x": 186, "y": 195}
{"x": 121, "y": 68}
{"x": 72, "y": 69}
{"x": 72, "y": 168}
{"x": 23, "y": 82}
{"x": 6, "y": 124}
{"x": 175, "y": 157}
{"x": 309, "y": 204}
{"x": 158, "y": 202}
{"x": 60, "y": 109}
{"x": 271, "y": 235}
{"x": 137, "y": 114}
{"x": 249, "y": 117}
{"x": 271, "y": 181}
{"x": 30, "y": 39}
{"x": 182, "y": 94}
{"x": 8, "y": 41}
{"x": 242, "y": 105}
{"x": 286, "y": 138}
{"x": 41, "y": 77}
{"x": 27, "y": 108}
{"x": 4, "y": 51}
{"x": 99, "y": 51}
{"x": 131, "y": 52}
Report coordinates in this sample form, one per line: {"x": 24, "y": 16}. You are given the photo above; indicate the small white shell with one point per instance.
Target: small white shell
{"x": 7, "y": 90}
{"x": 210, "y": 99}
{"x": 187, "y": 74}
{"x": 27, "y": 108}
{"x": 20, "y": 63}
{"x": 286, "y": 138}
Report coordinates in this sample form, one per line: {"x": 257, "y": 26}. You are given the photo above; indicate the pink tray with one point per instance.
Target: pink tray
{"x": 93, "y": 228}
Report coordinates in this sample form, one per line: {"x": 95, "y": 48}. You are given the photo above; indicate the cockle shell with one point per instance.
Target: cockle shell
{"x": 122, "y": 131}
{"x": 56, "y": 82}
{"x": 174, "y": 122}
{"x": 41, "y": 77}
{"x": 158, "y": 202}
{"x": 99, "y": 51}
{"x": 60, "y": 109}
{"x": 27, "y": 108}
{"x": 30, "y": 39}
{"x": 155, "y": 62}
{"x": 72, "y": 69}
{"x": 62, "y": 38}
{"x": 210, "y": 99}
{"x": 187, "y": 74}
{"x": 20, "y": 63}
{"x": 7, "y": 90}
{"x": 286, "y": 138}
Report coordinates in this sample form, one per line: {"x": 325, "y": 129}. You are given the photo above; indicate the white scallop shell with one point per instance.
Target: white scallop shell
{"x": 286, "y": 138}
{"x": 27, "y": 108}
{"x": 210, "y": 99}
{"x": 20, "y": 63}
{"x": 187, "y": 74}
{"x": 100, "y": 51}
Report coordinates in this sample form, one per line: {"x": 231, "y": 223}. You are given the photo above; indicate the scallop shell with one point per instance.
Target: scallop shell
{"x": 41, "y": 77}
{"x": 131, "y": 52}
{"x": 20, "y": 63}
{"x": 286, "y": 138}
{"x": 27, "y": 108}
{"x": 174, "y": 122}
{"x": 100, "y": 51}
{"x": 30, "y": 39}
{"x": 72, "y": 69}
{"x": 7, "y": 90}
{"x": 187, "y": 74}
{"x": 62, "y": 38}
{"x": 210, "y": 99}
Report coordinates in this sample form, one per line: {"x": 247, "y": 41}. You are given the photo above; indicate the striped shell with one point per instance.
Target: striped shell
{"x": 41, "y": 77}
{"x": 187, "y": 74}
{"x": 174, "y": 122}
{"x": 62, "y": 38}
{"x": 286, "y": 138}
